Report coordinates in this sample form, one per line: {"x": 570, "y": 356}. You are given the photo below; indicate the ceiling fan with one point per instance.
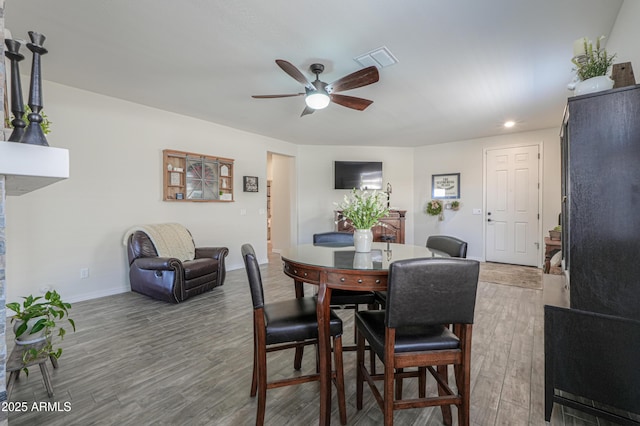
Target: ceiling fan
{"x": 319, "y": 94}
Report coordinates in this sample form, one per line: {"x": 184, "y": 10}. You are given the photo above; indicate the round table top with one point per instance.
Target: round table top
{"x": 345, "y": 257}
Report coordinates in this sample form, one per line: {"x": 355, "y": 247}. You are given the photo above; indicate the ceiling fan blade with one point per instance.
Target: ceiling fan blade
{"x": 356, "y": 79}
{"x": 276, "y": 96}
{"x": 294, "y": 72}
{"x": 351, "y": 102}
{"x": 306, "y": 111}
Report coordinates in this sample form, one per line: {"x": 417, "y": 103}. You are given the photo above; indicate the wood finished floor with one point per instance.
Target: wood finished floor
{"x": 137, "y": 361}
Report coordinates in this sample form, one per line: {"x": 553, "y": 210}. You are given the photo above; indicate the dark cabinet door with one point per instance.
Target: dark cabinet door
{"x": 603, "y": 163}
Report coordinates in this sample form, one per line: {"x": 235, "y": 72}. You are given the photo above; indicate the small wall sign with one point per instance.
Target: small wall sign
{"x": 445, "y": 186}
{"x": 250, "y": 183}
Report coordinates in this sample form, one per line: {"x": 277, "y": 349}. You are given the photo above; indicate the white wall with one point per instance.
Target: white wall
{"x": 623, "y": 40}
{"x": 283, "y": 202}
{"x": 316, "y": 180}
{"x": 116, "y": 182}
{"x": 466, "y": 157}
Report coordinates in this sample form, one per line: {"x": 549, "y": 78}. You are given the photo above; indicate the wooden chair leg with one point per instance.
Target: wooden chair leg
{"x": 297, "y": 360}
{"x": 462, "y": 381}
{"x": 422, "y": 382}
{"x": 388, "y": 392}
{"x": 443, "y": 372}
{"x": 262, "y": 385}
{"x": 254, "y": 374}
{"x": 399, "y": 384}
{"x": 372, "y": 361}
{"x": 337, "y": 354}
{"x": 355, "y": 329}
{"x": 359, "y": 375}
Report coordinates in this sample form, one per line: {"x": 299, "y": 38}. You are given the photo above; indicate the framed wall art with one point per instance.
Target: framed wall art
{"x": 250, "y": 183}
{"x": 445, "y": 186}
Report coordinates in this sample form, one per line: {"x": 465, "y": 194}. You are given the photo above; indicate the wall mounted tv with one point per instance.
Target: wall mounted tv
{"x": 358, "y": 174}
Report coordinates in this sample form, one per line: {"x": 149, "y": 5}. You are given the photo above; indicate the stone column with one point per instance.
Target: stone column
{"x": 3, "y": 298}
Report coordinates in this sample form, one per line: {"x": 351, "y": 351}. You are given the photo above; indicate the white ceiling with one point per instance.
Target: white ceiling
{"x": 465, "y": 66}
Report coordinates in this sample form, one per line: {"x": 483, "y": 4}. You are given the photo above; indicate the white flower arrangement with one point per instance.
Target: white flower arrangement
{"x": 364, "y": 208}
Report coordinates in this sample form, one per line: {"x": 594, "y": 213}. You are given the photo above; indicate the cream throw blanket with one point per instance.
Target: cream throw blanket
{"x": 170, "y": 239}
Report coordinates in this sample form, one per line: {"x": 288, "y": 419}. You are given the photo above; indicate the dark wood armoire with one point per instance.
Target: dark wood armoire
{"x": 592, "y": 346}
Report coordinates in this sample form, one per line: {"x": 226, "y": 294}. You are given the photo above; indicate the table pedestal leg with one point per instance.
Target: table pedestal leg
{"x": 297, "y": 360}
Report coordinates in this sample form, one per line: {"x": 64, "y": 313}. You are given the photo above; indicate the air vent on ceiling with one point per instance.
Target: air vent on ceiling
{"x": 380, "y": 57}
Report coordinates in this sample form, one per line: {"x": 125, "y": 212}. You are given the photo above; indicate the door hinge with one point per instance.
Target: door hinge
{"x": 538, "y": 156}
{"x": 538, "y": 216}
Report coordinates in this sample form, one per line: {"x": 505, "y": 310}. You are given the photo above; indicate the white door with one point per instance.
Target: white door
{"x": 512, "y": 213}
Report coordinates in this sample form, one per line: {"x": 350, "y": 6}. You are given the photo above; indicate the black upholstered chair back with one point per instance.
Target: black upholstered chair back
{"x": 334, "y": 238}
{"x": 450, "y": 246}
{"x": 431, "y": 291}
{"x": 253, "y": 273}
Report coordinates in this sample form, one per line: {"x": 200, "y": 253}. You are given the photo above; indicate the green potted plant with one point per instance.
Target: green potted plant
{"x": 35, "y": 322}
{"x": 364, "y": 209}
{"x": 455, "y": 205}
{"x": 592, "y": 65}
{"x": 45, "y": 124}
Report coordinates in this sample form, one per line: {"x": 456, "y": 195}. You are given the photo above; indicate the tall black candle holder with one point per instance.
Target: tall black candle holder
{"x": 33, "y": 133}
{"x": 17, "y": 105}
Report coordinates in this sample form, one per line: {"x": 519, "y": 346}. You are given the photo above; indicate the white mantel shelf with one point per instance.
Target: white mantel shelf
{"x": 31, "y": 167}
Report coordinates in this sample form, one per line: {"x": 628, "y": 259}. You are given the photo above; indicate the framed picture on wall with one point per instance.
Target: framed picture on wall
{"x": 445, "y": 186}
{"x": 250, "y": 183}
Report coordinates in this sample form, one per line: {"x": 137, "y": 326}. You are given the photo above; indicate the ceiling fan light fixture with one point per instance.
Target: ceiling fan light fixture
{"x": 317, "y": 100}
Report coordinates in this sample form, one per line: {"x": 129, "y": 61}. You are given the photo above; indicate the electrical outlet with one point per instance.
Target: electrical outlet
{"x": 84, "y": 273}
{"x": 243, "y": 212}
{"x": 477, "y": 211}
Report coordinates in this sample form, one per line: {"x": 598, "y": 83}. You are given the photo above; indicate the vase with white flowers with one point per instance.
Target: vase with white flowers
{"x": 364, "y": 209}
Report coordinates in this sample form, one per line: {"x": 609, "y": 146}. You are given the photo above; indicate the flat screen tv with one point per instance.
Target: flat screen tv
{"x": 358, "y": 174}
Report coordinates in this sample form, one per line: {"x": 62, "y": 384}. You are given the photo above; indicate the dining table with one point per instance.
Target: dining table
{"x": 333, "y": 266}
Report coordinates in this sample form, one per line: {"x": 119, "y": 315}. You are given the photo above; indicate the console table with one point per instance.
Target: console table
{"x": 391, "y": 228}
{"x": 550, "y": 248}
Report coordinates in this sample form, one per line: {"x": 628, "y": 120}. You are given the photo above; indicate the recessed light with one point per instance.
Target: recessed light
{"x": 509, "y": 124}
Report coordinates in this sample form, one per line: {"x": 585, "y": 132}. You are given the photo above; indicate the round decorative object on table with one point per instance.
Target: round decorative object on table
{"x": 362, "y": 239}
{"x": 594, "y": 84}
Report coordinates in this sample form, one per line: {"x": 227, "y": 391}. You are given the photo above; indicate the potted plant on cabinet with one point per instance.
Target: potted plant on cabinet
{"x": 35, "y": 322}
{"x": 555, "y": 233}
{"x": 592, "y": 66}
{"x": 364, "y": 209}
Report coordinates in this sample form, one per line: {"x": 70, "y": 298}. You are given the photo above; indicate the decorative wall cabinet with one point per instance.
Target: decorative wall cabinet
{"x": 196, "y": 177}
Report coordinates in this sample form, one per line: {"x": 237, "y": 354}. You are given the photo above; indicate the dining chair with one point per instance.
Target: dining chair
{"x": 284, "y": 325}
{"x": 441, "y": 245}
{"x": 447, "y": 245}
{"x": 424, "y": 296}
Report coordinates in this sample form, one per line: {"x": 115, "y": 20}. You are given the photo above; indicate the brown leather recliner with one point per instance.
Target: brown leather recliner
{"x": 170, "y": 279}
